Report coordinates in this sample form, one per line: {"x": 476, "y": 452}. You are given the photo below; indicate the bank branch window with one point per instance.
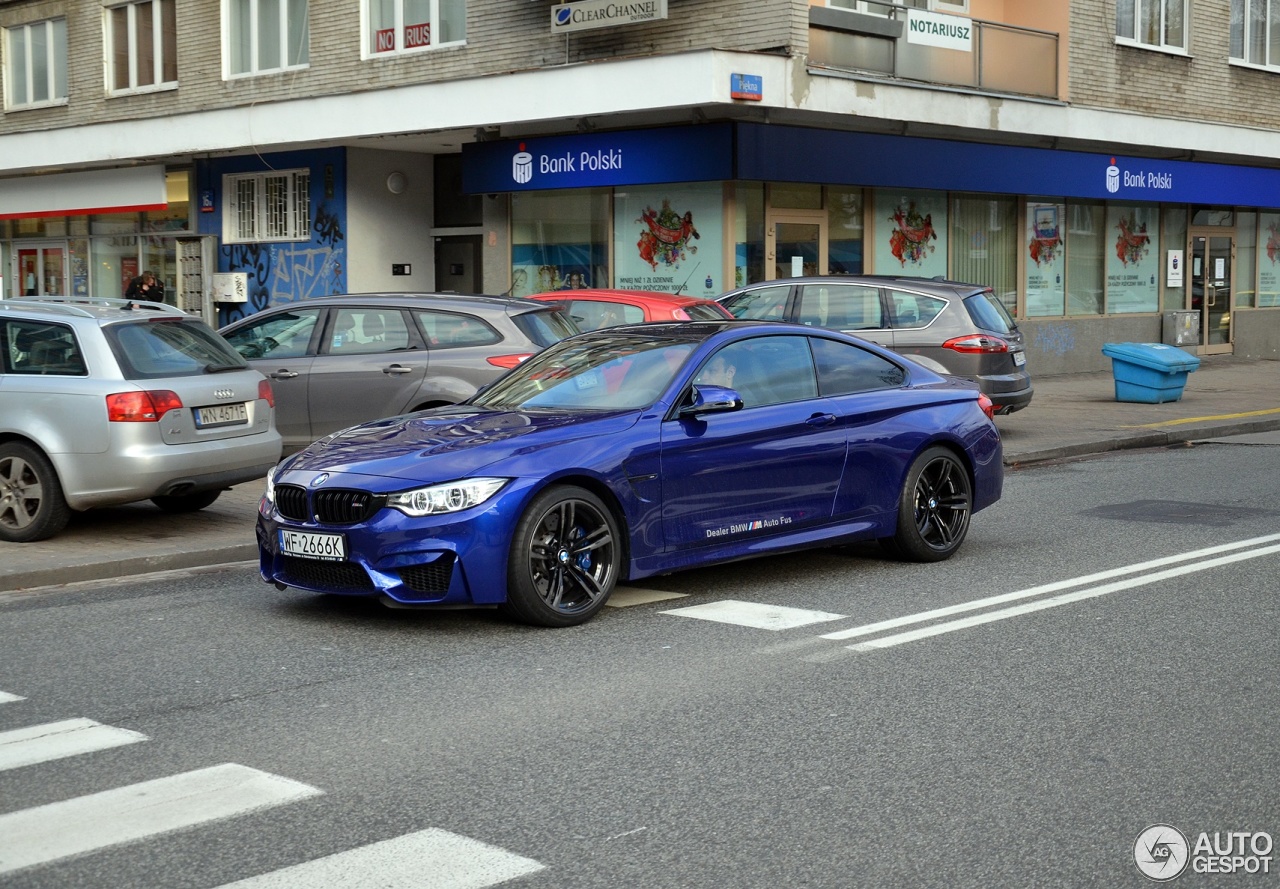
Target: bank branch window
{"x": 266, "y": 35}
{"x": 142, "y": 46}
{"x": 1133, "y": 260}
{"x": 559, "y": 240}
{"x": 395, "y": 26}
{"x": 35, "y": 71}
{"x": 984, "y": 244}
{"x": 1160, "y": 24}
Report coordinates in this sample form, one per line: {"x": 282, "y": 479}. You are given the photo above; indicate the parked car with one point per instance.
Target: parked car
{"x": 632, "y": 451}
{"x": 109, "y": 401}
{"x": 341, "y": 360}
{"x": 957, "y": 329}
{"x": 593, "y": 309}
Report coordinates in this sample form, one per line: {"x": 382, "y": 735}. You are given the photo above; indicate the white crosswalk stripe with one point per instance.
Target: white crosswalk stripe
{"x": 6, "y": 697}
{"x": 55, "y": 740}
{"x": 753, "y": 614}
{"x": 73, "y": 827}
{"x": 428, "y": 859}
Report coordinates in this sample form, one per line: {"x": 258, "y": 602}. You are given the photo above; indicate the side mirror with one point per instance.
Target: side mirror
{"x": 711, "y": 400}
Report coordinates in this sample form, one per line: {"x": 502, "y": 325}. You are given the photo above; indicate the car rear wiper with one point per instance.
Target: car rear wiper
{"x": 222, "y": 368}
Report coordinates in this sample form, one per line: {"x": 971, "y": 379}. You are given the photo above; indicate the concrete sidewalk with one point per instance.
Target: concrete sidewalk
{"x": 1071, "y": 415}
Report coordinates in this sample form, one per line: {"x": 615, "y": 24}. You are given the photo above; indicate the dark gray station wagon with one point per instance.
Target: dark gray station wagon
{"x": 958, "y": 329}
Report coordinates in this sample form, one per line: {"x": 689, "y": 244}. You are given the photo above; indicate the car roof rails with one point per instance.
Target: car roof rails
{"x": 106, "y": 302}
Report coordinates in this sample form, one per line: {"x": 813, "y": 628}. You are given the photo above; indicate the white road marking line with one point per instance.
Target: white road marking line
{"x": 1001, "y": 599}
{"x": 428, "y": 859}
{"x": 5, "y": 697}
{"x": 624, "y": 597}
{"x": 55, "y": 740}
{"x": 125, "y": 814}
{"x": 751, "y": 614}
{"x": 1055, "y": 601}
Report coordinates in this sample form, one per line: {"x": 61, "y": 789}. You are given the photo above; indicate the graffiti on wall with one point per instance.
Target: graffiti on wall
{"x": 1056, "y": 339}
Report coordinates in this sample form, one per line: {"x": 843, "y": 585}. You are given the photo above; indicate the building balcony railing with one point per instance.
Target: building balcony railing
{"x": 871, "y": 36}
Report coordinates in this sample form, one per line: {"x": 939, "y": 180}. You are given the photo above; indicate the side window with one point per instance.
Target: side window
{"x": 844, "y": 368}
{"x": 37, "y": 348}
{"x": 366, "y": 331}
{"x": 592, "y": 314}
{"x": 765, "y": 370}
{"x": 285, "y": 335}
{"x": 445, "y": 330}
{"x": 914, "y": 309}
{"x": 763, "y": 303}
{"x": 841, "y": 306}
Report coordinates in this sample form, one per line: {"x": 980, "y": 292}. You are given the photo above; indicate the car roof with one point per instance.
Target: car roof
{"x": 97, "y": 308}
{"x": 937, "y": 284}
{"x": 607, "y": 294}
{"x": 435, "y": 300}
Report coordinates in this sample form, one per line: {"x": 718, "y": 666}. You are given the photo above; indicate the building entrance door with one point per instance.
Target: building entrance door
{"x": 458, "y": 264}
{"x": 795, "y": 243}
{"x": 42, "y": 270}
{"x": 1212, "y": 259}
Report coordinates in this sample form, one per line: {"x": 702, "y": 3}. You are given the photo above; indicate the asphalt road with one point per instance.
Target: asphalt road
{"x": 758, "y": 728}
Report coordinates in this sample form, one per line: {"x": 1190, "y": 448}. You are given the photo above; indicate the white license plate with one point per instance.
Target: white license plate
{"x": 309, "y": 545}
{"x": 1019, "y": 358}
{"x": 222, "y": 415}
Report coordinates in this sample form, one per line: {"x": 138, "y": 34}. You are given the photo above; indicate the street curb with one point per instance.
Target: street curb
{"x": 115, "y": 568}
{"x": 1157, "y": 438}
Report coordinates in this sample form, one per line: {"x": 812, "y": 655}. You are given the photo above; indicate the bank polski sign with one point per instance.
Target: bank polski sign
{"x": 583, "y": 15}
{"x": 944, "y": 31}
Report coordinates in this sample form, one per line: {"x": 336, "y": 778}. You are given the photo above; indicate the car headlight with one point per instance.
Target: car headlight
{"x": 270, "y": 493}
{"x": 448, "y": 497}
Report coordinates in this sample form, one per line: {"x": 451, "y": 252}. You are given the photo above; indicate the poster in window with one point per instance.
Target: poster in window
{"x": 1269, "y": 267}
{"x": 670, "y": 238}
{"x": 1046, "y": 259}
{"x": 1133, "y": 262}
{"x": 911, "y": 232}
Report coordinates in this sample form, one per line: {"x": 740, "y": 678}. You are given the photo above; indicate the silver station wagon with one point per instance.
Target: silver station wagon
{"x": 110, "y": 401}
{"x": 962, "y": 330}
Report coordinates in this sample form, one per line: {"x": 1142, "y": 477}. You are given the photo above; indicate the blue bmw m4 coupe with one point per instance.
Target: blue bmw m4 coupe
{"x": 632, "y": 451}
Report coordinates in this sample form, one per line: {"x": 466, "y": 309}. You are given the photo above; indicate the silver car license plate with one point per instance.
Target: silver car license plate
{"x": 222, "y": 415}
{"x": 309, "y": 545}
{"x": 1019, "y": 358}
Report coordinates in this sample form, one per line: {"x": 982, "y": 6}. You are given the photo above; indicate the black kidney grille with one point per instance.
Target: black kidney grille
{"x": 346, "y": 507}
{"x": 340, "y": 506}
{"x": 314, "y": 574}
{"x": 291, "y": 502}
{"x": 433, "y": 577}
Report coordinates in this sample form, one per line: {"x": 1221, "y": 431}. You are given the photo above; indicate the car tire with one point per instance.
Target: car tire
{"x": 565, "y": 559}
{"x": 933, "y": 509}
{"x": 186, "y": 502}
{"x": 32, "y": 505}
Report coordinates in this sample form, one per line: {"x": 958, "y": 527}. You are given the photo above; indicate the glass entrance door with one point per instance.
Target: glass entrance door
{"x": 1212, "y": 257}
{"x": 42, "y": 270}
{"x": 795, "y": 244}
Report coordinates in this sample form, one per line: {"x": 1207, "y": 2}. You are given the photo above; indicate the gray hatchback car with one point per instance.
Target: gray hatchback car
{"x": 108, "y": 401}
{"x": 337, "y": 361}
{"x": 958, "y": 329}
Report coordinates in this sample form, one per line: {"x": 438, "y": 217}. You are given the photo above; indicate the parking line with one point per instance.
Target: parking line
{"x": 55, "y": 740}
{"x": 84, "y": 824}
{"x": 1055, "y": 601}
{"x": 977, "y": 604}
{"x": 6, "y": 698}
{"x": 428, "y": 859}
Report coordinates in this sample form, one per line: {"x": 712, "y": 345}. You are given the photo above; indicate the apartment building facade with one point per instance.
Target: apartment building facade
{"x": 1110, "y": 167}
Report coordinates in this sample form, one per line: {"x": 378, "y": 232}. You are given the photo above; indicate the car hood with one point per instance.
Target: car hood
{"x": 452, "y": 442}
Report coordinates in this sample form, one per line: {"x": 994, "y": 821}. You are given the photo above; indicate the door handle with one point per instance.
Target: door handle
{"x": 283, "y": 374}
{"x": 821, "y": 420}
{"x": 397, "y": 369}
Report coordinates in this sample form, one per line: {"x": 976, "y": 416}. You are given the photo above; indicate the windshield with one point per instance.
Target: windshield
{"x": 601, "y": 373}
{"x": 154, "y": 349}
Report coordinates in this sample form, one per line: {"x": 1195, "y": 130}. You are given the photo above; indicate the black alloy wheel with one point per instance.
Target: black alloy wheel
{"x": 934, "y": 508}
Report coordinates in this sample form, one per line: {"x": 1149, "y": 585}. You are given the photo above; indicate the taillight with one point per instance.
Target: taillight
{"x": 141, "y": 407}
{"x": 987, "y": 405}
{"x": 976, "y": 343}
{"x": 508, "y": 361}
{"x": 265, "y": 393}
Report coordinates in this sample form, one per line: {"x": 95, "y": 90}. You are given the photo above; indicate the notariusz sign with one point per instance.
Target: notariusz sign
{"x": 944, "y": 31}
{"x": 583, "y": 15}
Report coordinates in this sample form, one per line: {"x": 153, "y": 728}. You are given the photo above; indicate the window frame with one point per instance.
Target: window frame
{"x": 1136, "y": 27}
{"x": 56, "y": 83}
{"x": 296, "y": 207}
{"x": 1271, "y": 34}
{"x": 398, "y": 47}
{"x": 163, "y": 18}
{"x": 230, "y": 32}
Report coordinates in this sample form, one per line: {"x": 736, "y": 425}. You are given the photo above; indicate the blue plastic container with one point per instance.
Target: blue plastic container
{"x": 1151, "y": 373}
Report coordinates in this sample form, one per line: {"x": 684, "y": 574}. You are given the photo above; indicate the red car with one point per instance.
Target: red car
{"x": 593, "y": 309}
